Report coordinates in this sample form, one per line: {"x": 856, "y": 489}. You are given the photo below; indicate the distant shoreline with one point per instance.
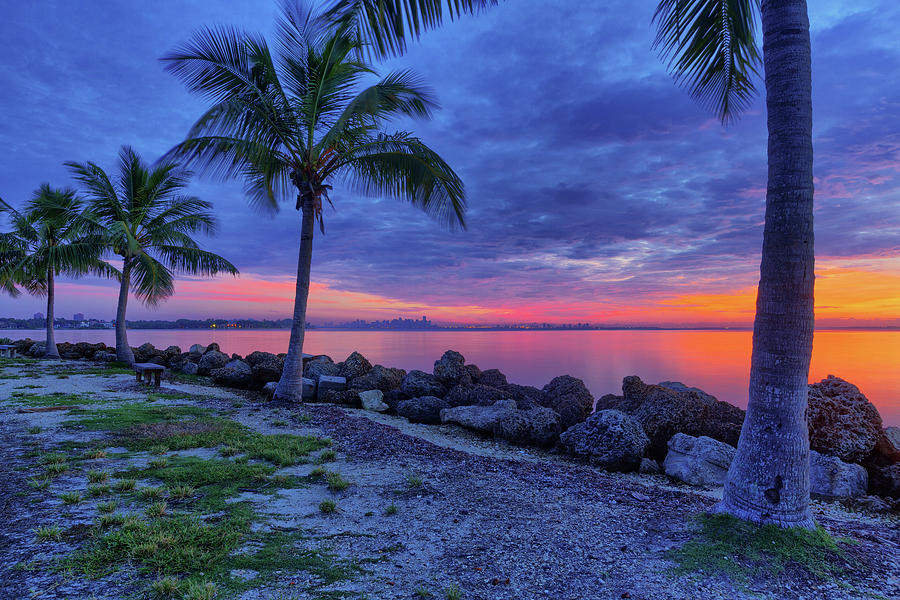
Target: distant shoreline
{"x": 445, "y": 329}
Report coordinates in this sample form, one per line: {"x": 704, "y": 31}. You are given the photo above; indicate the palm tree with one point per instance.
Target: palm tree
{"x": 148, "y": 222}
{"x": 51, "y": 237}
{"x": 295, "y": 122}
{"x": 713, "y": 51}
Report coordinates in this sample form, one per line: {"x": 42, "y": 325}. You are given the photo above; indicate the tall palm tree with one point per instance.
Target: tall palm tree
{"x": 713, "y": 51}
{"x": 51, "y": 237}
{"x": 294, "y": 122}
{"x": 148, "y": 222}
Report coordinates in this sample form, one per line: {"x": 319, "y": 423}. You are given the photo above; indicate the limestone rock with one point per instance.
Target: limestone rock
{"x": 373, "y": 400}
{"x": 609, "y": 439}
{"x": 269, "y": 389}
{"x": 265, "y": 367}
{"x": 424, "y": 409}
{"x": 318, "y": 366}
{"x": 831, "y": 477}
{"x": 526, "y": 396}
{"x": 468, "y": 395}
{"x": 418, "y": 383}
{"x": 493, "y": 378}
{"x": 450, "y": 369}
{"x": 570, "y": 398}
{"x": 842, "y": 421}
{"x": 649, "y": 467}
{"x": 537, "y": 426}
{"x": 698, "y": 460}
{"x": 479, "y": 418}
{"x": 344, "y": 397}
{"x": 213, "y": 359}
{"x": 189, "y": 368}
{"x": 356, "y": 365}
{"x": 329, "y": 383}
{"x": 236, "y": 374}
{"x": 379, "y": 378}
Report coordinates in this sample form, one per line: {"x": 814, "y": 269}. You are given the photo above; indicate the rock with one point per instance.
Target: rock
{"x": 663, "y": 412}
{"x": 103, "y": 356}
{"x": 493, "y": 378}
{"x": 537, "y": 426}
{"x": 190, "y": 368}
{"x": 213, "y": 347}
{"x": 887, "y": 448}
{"x": 570, "y": 398}
{"x": 450, "y": 369}
{"x": 379, "y": 378}
{"x": 424, "y": 409}
{"x": 526, "y": 397}
{"x": 213, "y": 359}
{"x": 613, "y": 402}
{"x": 356, "y": 365}
{"x": 38, "y": 349}
{"x": 885, "y": 480}
{"x": 479, "y": 418}
{"x": 831, "y": 477}
{"x": 265, "y": 367}
{"x": 373, "y": 400}
{"x": 236, "y": 374}
{"x": 872, "y": 504}
{"x": 172, "y": 351}
{"x": 345, "y": 397}
{"x": 393, "y": 398}
{"x": 158, "y": 360}
{"x": 649, "y": 467}
{"x": 698, "y": 460}
{"x": 71, "y": 355}
{"x": 318, "y": 366}
{"x": 269, "y": 389}
{"x": 842, "y": 422}
{"x": 145, "y": 352}
{"x": 468, "y": 395}
{"x": 329, "y": 383}
{"x": 609, "y": 439}
{"x": 474, "y": 373}
{"x": 418, "y": 383}
{"x": 680, "y": 387}
{"x": 197, "y": 349}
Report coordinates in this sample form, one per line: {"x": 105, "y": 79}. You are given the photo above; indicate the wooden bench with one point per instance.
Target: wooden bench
{"x": 150, "y": 370}
{"x": 7, "y": 351}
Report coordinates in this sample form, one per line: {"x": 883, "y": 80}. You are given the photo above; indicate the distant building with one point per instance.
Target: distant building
{"x": 78, "y": 317}
{"x": 38, "y": 316}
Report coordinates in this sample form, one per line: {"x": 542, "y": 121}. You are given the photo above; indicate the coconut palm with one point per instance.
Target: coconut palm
{"x": 713, "y": 50}
{"x": 294, "y": 122}
{"x": 148, "y": 222}
{"x": 51, "y": 237}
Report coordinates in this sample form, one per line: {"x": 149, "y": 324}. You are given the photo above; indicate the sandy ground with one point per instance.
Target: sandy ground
{"x": 489, "y": 519}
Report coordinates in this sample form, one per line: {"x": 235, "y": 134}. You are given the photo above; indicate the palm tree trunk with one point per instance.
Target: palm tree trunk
{"x": 769, "y": 479}
{"x": 52, "y": 350}
{"x": 290, "y": 386}
{"x": 123, "y": 350}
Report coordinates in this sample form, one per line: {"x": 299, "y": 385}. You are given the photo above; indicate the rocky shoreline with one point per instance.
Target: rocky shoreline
{"x": 668, "y": 427}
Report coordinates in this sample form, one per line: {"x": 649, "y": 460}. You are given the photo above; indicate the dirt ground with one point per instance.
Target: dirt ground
{"x": 428, "y": 512}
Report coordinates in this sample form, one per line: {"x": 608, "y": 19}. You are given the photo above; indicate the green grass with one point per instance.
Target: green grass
{"x": 48, "y": 533}
{"x": 391, "y": 509}
{"x": 150, "y": 493}
{"x": 328, "y": 506}
{"x": 54, "y": 469}
{"x": 131, "y": 415}
{"x": 70, "y": 498}
{"x": 54, "y": 399}
{"x": 414, "y": 480}
{"x": 181, "y": 492}
{"x": 97, "y": 490}
{"x": 107, "y": 507}
{"x": 336, "y": 482}
{"x": 54, "y": 458}
{"x": 326, "y": 456}
{"x": 125, "y": 485}
{"x": 35, "y": 429}
{"x": 165, "y": 587}
{"x": 157, "y": 509}
{"x": 741, "y": 550}
{"x": 422, "y": 592}
{"x": 97, "y": 476}
{"x": 95, "y": 454}
{"x": 153, "y": 396}
{"x": 453, "y": 592}
{"x": 39, "y": 484}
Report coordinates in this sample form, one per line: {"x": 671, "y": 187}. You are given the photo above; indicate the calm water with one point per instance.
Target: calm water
{"x": 716, "y": 361}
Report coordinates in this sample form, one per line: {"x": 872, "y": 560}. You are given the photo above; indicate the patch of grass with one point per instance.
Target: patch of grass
{"x": 328, "y": 506}
{"x": 391, "y": 509}
{"x": 167, "y": 396}
{"x": 318, "y": 472}
{"x": 200, "y": 591}
{"x": 150, "y": 493}
{"x": 35, "y": 429}
{"x": 414, "y": 480}
{"x": 740, "y": 549}
{"x": 48, "y": 533}
{"x": 55, "y": 399}
{"x": 131, "y": 415}
{"x": 70, "y": 498}
{"x": 179, "y": 377}
{"x": 106, "y": 521}
{"x": 39, "y": 484}
{"x": 96, "y": 454}
{"x": 54, "y": 469}
{"x": 158, "y": 449}
{"x": 157, "y": 509}
{"x": 97, "y": 476}
{"x": 97, "y": 490}
{"x": 158, "y": 463}
{"x": 125, "y": 485}
{"x": 453, "y": 592}
{"x": 54, "y": 458}
{"x": 107, "y": 507}
{"x": 181, "y": 492}
{"x": 336, "y": 482}
{"x": 165, "y": 587}
{"x": 326, "y": 456}
{"x": 422, "y": 592}
{"x": 279, "y": 423}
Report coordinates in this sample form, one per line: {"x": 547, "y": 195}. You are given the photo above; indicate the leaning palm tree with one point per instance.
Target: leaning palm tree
{"x": 51, "y": 237}
{"x": 148, "y": 223}
{"x": 713, "y": 50}
{"x": 294, "y": 122}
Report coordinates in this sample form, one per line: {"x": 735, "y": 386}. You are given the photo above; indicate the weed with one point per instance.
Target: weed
{"x": 48, "y": 533}
{"x": 54, "y": 458}
{"x": 150, "y": 493}
{"x": 453, "y": 592}
{"x": 158, "y": 463}
{"x": 70, "y": 498}
{"x": 391, "y": 509}
{"x": 414, "y": 480}
{"x": 328, "y": 506}
{"x": 96, "y": 490}
{"x": 107, "y": 507}
{"x": 106, "y": 521}
{"x": 279, "y": 423}
{"x": 181, "y": 492}
{"x": 125, "y": 485}
{"x": 335, "y": 482}
{"x": 97, "y": 476}
{"x": 39, "y": 484}
{"x": 227, "y": 451}
{"x": 165, "y": 587}
{"x": 35, "y": 429}
{"x": 326, "y": 456}
{"x": 318, "y": 472}
{"x": 95, "y": 454}
{"x": 157, "y": 509}
{"x": 200, "y": 591}
{"x": 158, "y": 449}
{"x": 422, "y": 592}
{"x": 54, "y": 469}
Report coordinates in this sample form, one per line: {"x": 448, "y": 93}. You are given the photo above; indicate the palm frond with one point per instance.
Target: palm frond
{"x": 711, "y": 50}
{"x": 151, "y": 281}
{"x": 195, "y": 261}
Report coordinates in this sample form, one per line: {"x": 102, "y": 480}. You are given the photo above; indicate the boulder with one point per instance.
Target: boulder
{"x": 649, "y": 467}
{"x": 663, "y": 412}
{"x": 418, "y": 383}
{"x": 38, "y": 349}
{"x": 609, "y": 439}
{"x": 71, "y": 355}
{"x": 145, "y": 352}
{"x": 885, "y": 480}
{"x": 526, "y": 397}
{"x": 269, "y": 389}
{"x": 345, "y": 397}
{"x": 213, "y": 359}
{"x": 318, "y": 366}
{"x": 450, "y": 369}
{"x": 236, "y": 374}
{"x": 329, "y": 383}
{"x": 158, "y": 360}
{"x": 887, "y": 448}
{"x": 831, "y": 477}
{"x": 104, "y": 356}
{"x": 379, "y": 378}
{"x": 213, "y": 347}
{"x": 680, "y": 387}
{"x": 570, "y": 398}
{"x": 613, "y": 402}
{"x": 842, "y": 422}
{"x": 265, "y": 367}
{"x": 188, "y": 367}
{"x": 373, "y": 400}
{"x": 474, "y": 373}
{"x": 537, "y": 426}
{"x": 493, "y": 378}
{"x": 393, "y": 398}
{"x": 468, "y": 395}
{"x": 424, "y": 409}
{"x": 479, "y": 418}
{"x": 197, "y": 349}
{"x": 698, "y": 460}
{"x": 356, "y": 365}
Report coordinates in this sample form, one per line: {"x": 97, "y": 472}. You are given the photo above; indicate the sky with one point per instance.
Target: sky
{"x": 598, "y": 190}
